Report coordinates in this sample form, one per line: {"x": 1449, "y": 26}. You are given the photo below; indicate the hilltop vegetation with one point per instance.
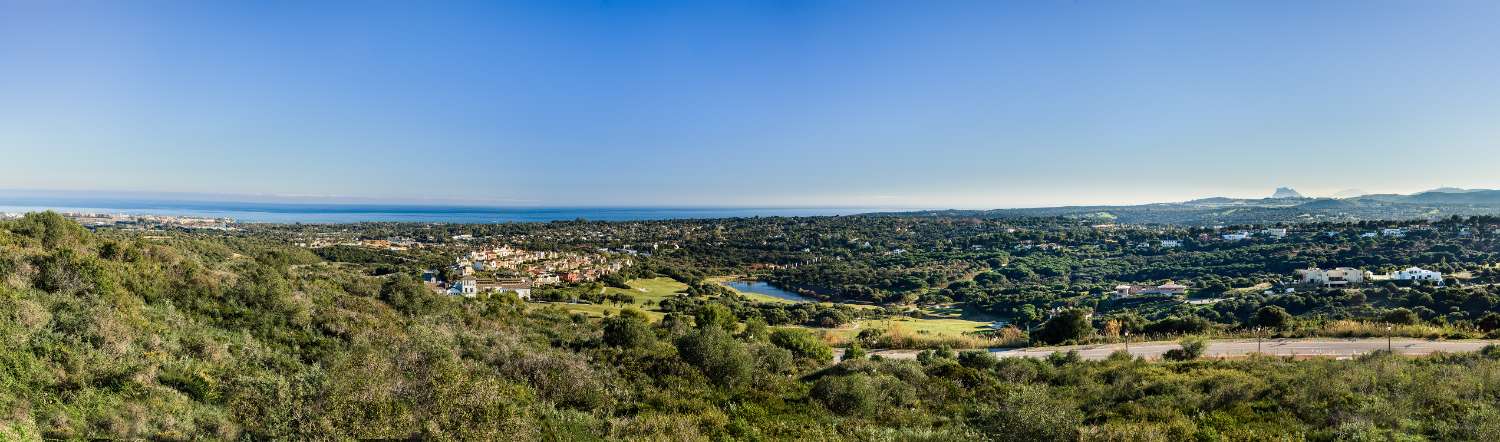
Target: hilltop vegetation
{"x": 184, "y": 337}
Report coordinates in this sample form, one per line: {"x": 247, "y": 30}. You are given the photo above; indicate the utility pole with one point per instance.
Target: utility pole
{"x": 1127, "y": 341}
{"x": 1257, "y": 339}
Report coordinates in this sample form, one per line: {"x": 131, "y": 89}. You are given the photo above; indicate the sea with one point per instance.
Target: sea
{"x": 320, "y": 213}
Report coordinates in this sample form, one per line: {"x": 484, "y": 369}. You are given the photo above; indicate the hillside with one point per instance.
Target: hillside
{"x": 183, "y": 336}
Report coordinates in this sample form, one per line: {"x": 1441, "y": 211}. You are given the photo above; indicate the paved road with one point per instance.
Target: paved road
{"x": 1334, "y": 348}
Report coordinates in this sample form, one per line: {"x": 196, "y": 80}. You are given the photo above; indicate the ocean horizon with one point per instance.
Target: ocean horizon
{"x": 337, "y": 213}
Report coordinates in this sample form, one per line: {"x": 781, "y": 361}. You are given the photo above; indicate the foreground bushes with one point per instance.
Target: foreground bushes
{"x": 229, "y": 339}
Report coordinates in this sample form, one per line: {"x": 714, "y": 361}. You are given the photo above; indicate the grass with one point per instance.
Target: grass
{"x": 643, "y": 290}
{"x": 653, "y": 290}
{"x": 937, "y": 326}
{"x": 602, "y": 310}
{"x": 1251, "y": 290}
{"x": 906, "y": 333}
{"x": 1358, "y": 329}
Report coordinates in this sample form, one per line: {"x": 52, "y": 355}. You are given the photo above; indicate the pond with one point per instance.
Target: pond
{"x": 764, "y": 288}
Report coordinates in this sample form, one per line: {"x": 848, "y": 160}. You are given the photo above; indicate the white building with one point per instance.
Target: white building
{"x": 1368, "y": 235}
{"x": 1418, "y": 274}
{"x": 522, "y": 290}
{"x": 1275, "y": 233}
{"x": 1170, "y": 243}
{"x": 1394, "y": 233}
{"x": 521, "y": 286}
{"x": 1334, "y": 277}
{"x": 1130, "y": 290}
{"x": 466, "y": 287}
{"x": 1237, "y": 236}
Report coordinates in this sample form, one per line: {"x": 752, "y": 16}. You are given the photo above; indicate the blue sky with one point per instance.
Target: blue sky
{"x": 775, "y": 103}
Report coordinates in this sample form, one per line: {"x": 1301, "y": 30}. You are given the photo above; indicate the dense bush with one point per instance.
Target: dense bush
{"x": 1068, "y": 325}
{"x": 802, "y": 345}
{"x": 1191, "y": 348}
{"x": 628, "y": 329}
{"x": 724, "y": 360}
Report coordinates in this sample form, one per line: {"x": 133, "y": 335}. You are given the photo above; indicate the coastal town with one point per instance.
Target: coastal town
{"x": 139, "y": 221}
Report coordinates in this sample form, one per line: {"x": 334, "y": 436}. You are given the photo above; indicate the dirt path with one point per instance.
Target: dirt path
{"x": 1325, "y": 347}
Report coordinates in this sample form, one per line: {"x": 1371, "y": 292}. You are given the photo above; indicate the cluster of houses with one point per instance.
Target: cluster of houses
{"x": 535, "y": 268}
{"x": 330, "y": 239}
{"x": 1134, "y": 290}
{"x": 1335, "y": 277}
{"x": 1343, "y": 276}
{"x": 543, "y": 267}
{"x": 138, "y": 222}
{"x": 1280, "y": 233}
{"x": 1277, "y": 233}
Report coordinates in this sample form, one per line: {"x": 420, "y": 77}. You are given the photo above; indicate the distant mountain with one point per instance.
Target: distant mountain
{"x": 1451, "y": 190}
{"x": 1327, "y": 204}
{"x": 1286, "y": 192}
{"x": 1472, "y": 196}
{"x": 1287, "y": 206}
{"x": 1350, "y": 193}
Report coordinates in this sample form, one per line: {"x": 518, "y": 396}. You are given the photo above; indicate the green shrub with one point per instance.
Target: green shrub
{"x": 724, "y": 360}
{"x": 1192, "y": 347}
{"x": 802, "y": 345}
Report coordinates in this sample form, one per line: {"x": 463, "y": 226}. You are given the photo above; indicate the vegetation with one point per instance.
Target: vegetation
{"x": 910, "y": 268}
{"x": 184, "y": 336}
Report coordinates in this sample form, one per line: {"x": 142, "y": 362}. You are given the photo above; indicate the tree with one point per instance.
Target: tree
{"x": 755, "y": 330}
{"x": 628, "y": 329}
{"x": 830, "y": 318}
{"x": 802, "y": 345}
{"x": 1489, "y": 322}
{"x": 722, "y": 359}
{"x": 409, "y": 295}
{"x": 1401, "y": 316}
{"x": 1272, "y": 316}
{"x": 855, "y": 352}
{"x": 977, "y": 359}
{"x": 1027, "y": 314}
{"x": 714, "y": 314}
{"x": 1067, "y": 325}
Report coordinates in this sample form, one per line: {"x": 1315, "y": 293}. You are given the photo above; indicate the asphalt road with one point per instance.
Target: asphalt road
{"x": 1231, "y": 348}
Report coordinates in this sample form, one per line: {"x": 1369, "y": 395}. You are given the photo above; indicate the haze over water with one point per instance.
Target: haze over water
{"x": 350, "y": 213}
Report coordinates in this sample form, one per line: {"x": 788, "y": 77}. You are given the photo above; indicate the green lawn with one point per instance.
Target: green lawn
{"x": 654, "y": 289}
{"x": 908, "y": 326}
{"x": 599, "y": 310}
{"x": 939, "y": 321}
{"x": 644, "y": 290}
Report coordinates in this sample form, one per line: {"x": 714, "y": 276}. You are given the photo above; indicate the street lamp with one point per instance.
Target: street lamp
{"x": 1257, "y": 339}
{"x": 1127, "y": 341}
{"x": 1388, "y": 339}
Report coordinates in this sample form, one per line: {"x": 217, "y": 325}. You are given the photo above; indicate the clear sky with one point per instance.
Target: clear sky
{"x": 772, "y": 103}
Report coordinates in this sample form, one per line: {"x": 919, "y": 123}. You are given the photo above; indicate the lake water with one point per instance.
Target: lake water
{"x": 765, "y": 288}
{"x": 351, "y": 213}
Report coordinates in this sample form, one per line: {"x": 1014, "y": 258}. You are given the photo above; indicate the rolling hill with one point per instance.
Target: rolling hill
{"x": 1438, "y": 203}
